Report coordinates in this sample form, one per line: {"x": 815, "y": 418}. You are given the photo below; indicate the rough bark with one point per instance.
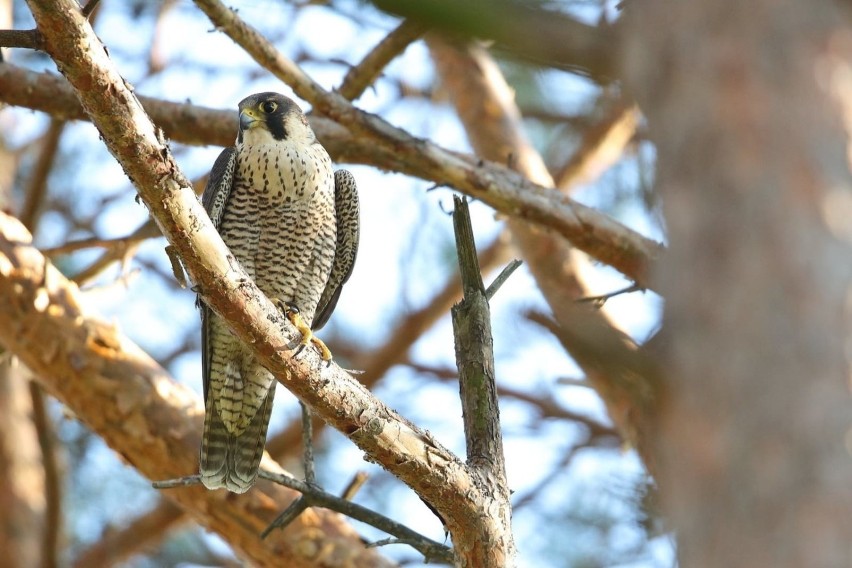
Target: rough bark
{"x": 490, "y": 543}
{"x": 386, "y": 147}
{"x": 753, "y": 446}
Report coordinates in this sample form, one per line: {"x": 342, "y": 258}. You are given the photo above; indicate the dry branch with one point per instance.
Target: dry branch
{"x": 367, "y": 139}
{"x": 474, "y": 348}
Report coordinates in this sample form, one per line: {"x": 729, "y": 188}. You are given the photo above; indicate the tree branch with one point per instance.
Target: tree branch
{"x": 362, "y": 75}
{"x": 474, "y": 348}
{"x": 388, "y": 148}
{"x": 313, "y": 496}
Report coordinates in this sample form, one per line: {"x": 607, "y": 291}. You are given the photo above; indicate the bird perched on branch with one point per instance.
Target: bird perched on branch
{"x": 292, "y": 223}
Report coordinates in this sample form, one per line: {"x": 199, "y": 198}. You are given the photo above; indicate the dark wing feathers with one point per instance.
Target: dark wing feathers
{"x": 219, "y": 185}
{"x": 347, "y": 212}
{"x": 214, "y": 199}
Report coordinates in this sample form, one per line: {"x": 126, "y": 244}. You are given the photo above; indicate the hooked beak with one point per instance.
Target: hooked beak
{"x": 248, "y": 119}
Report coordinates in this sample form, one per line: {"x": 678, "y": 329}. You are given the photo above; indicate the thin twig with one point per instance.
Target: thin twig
{"x": 358, "y": 480}
{"x": 25, "y": 39}
{"x": 289, "y": 515}
{"x": 431, "y": 550}
{"x": 362, "y": 75}
{"x": 599, "y": 301}
{"x": 501, "y": 278}
{"x": 37, "y": 186}
{"x": 308, "y": 444}
{"x": 119, "y": 243}
{"x": 185, "y": 481}
{"x": 89, "y": 8}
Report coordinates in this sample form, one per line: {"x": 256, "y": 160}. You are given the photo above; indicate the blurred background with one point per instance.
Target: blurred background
{"x": 581, "y": 495}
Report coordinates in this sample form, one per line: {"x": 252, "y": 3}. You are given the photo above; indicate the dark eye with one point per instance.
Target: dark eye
{"x": 268, "y": 107}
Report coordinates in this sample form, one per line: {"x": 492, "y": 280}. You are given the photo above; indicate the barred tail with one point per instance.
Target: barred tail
{"x": 231, "y": 461}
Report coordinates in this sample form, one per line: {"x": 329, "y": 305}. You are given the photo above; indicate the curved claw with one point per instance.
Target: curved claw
{"x": 295, "y": 316}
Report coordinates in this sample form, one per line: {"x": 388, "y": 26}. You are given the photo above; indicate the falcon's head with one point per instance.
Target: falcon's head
{"x": 272, "y": 117}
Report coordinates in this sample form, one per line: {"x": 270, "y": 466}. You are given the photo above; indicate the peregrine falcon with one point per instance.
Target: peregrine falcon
{"x": 292, "y": 223}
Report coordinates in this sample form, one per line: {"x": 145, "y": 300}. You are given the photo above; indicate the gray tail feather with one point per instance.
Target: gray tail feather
{"x": 231, "y": 461}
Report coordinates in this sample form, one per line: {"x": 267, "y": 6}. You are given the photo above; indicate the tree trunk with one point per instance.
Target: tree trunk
{"x": 746, "y": 103}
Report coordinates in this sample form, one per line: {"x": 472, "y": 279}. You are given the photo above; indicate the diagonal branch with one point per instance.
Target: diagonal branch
{"x": 362, "y": 75}
{"x": 410, "y": 454}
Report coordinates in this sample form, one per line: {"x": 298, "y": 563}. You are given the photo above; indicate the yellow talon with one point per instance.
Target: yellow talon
{"x": 295, "y": 316}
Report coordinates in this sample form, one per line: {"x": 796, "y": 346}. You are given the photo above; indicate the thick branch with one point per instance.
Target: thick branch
{"x": 388, "y": 148}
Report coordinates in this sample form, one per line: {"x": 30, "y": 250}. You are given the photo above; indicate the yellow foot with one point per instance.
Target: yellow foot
{"x": 295, "y": 316}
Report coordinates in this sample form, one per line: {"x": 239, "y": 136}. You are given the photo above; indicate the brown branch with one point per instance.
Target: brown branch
{"x": 120, "y": 243}
{"x": 127, "y": 399}
{"x": 493, "y": 544}
{"x": 602, "y": 145}
{"x": 496, "y": 185}
{"x": 52, "y": 478}
{"x": 503, "y": 189}
{"x": 37, "y": 187}
{"x": 362, "y": 75}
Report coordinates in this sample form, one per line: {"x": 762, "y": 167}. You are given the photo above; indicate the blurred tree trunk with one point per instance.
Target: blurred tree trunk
{"x": 22, "y": 501}
{"x": 746, "y": 103}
